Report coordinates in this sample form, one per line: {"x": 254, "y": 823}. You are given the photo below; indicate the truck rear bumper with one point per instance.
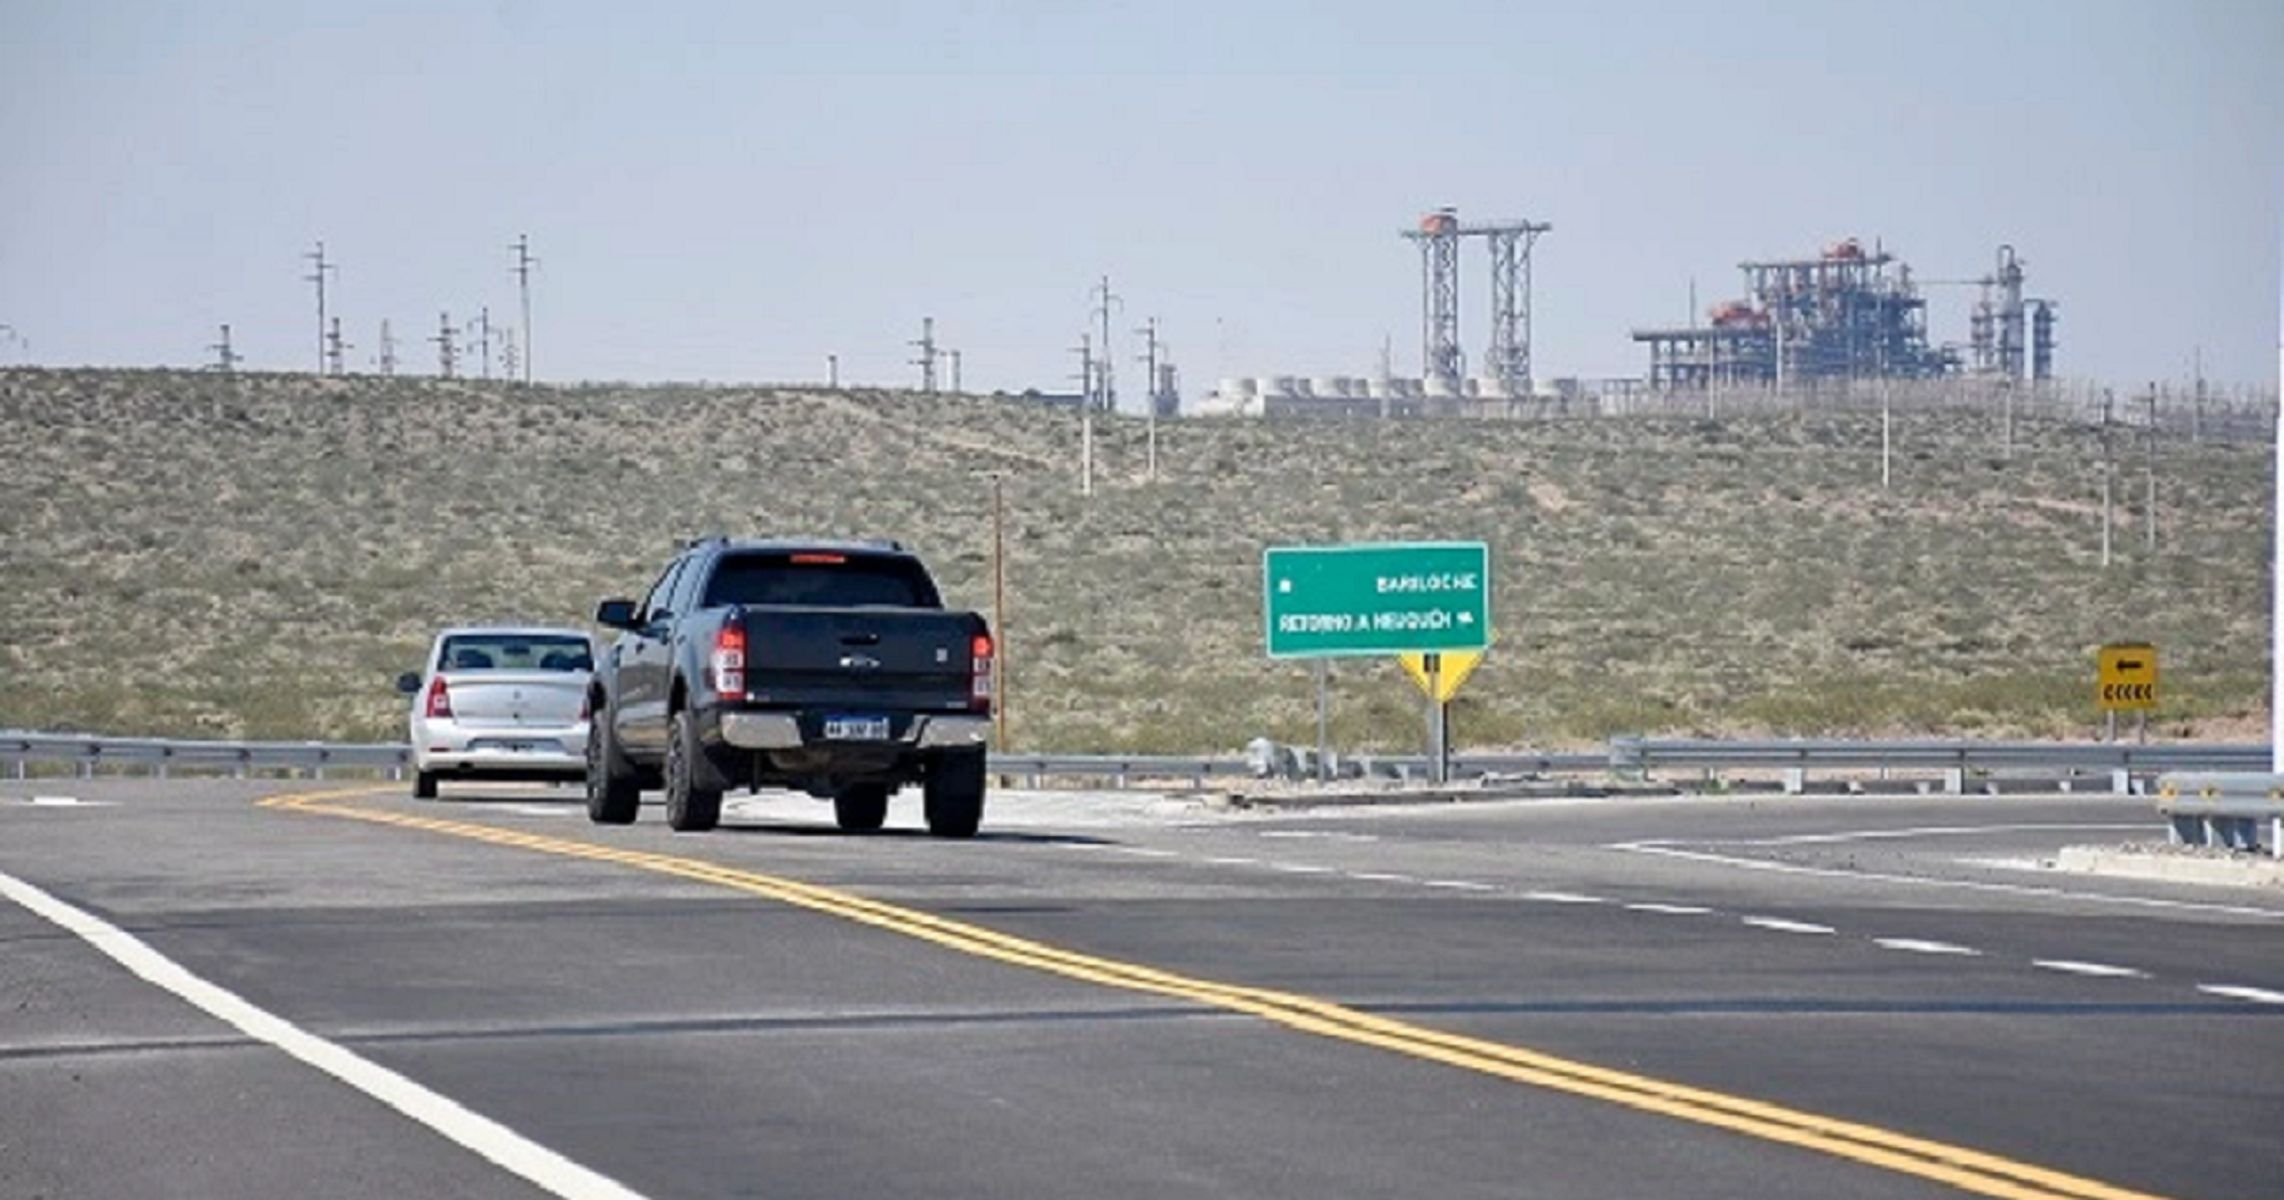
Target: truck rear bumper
{"x": 782, "y": 731}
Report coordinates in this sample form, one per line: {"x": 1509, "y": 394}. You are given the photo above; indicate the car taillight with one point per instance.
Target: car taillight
{"x": 439, "y": 698}
{"x": 979, "y": 680}
{"x": 727, "y": 666}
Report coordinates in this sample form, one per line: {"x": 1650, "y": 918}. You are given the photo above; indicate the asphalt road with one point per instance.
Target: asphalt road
{"x": 1119, "y": 995}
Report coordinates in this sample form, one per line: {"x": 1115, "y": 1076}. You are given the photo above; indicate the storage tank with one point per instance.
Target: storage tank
{"x": 1380, "y": 389}
{"x": 1329, "y": 387}
{"x": 1281, "y": 385}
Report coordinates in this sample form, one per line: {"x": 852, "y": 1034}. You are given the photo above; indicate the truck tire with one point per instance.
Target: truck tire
{"x": 689, "y": 808}
{"x": 424, "y": 785}
{"x": 861, "y": 808}
{"x": 613, "y": 797}
{"x": 952, "y": 793}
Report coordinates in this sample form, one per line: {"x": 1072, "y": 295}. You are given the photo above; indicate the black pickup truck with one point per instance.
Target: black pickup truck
{"x": 829, "y": 667}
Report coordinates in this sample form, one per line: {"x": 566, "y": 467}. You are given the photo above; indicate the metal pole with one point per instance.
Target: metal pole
{"x": 2108, "y": 470}
{"x": 999, "y": 606}
{"x": 2149, "y": 473}
{"x": 833, "y": 371}
{"x": 1323, "y": 720}
{"x": 1439, "y": 761}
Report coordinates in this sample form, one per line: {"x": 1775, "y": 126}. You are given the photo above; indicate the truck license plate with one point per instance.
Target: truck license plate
{"x": 856, "y": 729}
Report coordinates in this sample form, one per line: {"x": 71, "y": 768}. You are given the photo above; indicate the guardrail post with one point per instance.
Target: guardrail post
{"x": 1795, "y": 780}
{"x": 2121, "y": 781}
{"x": 1954, "y": 781}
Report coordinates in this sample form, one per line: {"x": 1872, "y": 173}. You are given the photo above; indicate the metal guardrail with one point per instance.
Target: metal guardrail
{"x": 1626, "y": 758}
{"x": 2223, "y": 808}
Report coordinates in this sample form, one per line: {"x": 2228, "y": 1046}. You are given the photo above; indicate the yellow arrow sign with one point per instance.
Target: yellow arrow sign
{"x": 1451, "y": 672}
{"x": 2128, "y": 676}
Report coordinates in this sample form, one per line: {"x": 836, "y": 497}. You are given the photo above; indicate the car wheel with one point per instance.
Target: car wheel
{"x": 612, "y": 795}
{"x": 689, "y": 808}
{"x": 953, "y": 793}
{"x": 424, "y": 785}
{"x": 862, "y": 808}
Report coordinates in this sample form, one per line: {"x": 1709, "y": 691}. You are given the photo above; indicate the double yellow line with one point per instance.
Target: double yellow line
{"x": 1968, "y": 1170}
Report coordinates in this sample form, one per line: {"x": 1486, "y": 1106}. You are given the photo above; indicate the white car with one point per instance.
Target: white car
{"x": 500, "y": 702}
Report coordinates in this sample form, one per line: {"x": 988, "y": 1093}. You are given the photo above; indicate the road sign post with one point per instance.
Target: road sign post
{"x": 1424, "y": 598}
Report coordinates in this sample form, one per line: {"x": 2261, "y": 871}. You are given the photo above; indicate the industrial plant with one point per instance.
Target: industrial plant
{"x": 1846, "y": 313}
{"x": 1849, "y": 313}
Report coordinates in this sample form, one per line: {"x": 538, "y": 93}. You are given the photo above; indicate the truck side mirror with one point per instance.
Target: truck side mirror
{"x": 408, "y": 683}
{"x": 615, "y": 614}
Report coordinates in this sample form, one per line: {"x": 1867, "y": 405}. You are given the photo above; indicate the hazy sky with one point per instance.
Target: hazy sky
{"x": 734, "y": 191}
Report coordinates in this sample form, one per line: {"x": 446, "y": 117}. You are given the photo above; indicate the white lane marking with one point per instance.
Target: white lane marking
{"x": 1780, "y": 925}
{"x": 1877, "y": 835}
{"x": 1670, "y": 910}
{"x": 511, "y": 1151}
{"x": 2095, "y": 970}
{"x": 1146, "y": 852}
{"x": 1300, "y": 868}
{"x": 1320, "y": 835}
{"x": 65, "y": 802}
{"x": 1381, "y": 877}
{"x": 1227, "y": 861}
{"x": 1664, "y": 850}
{"x": 1459, "y": 885}
{"x": 1918, "y": 946}
{"x": 2255, "y": 995}
{"x": 538, "y": 810}
{"x": 1563, "y": 898}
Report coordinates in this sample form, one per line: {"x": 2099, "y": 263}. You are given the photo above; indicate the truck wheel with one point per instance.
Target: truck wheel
{"x": 862, "y": 808}
{"x": 424, "y": 785}
{"x": 612, "y": 795}
{"x": 689, "y": 808}
{"x": 953, "y": 793}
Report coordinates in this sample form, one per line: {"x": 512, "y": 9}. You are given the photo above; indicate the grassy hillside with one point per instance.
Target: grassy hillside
{"x": 195, "y": 555}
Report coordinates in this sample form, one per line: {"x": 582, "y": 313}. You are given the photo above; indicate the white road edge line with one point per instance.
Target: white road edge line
{"x": 1459, "y": 885}
{"x": 506, "y": 1148}
{"x": 2255, "y": 995}
{"x": 1664, "y": 850}
{"x": 1671, "y": 910}
{"x": 2096, "y": 970}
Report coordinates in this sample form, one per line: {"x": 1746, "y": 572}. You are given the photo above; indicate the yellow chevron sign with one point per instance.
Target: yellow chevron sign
{"x": 1451, "y": 672}
{"x": 2128, "y": 676}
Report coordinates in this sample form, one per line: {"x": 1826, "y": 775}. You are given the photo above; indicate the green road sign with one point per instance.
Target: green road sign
{"x": 1376, "y": 599}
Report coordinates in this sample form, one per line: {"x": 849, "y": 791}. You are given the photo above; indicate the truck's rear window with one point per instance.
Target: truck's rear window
{"x": 822, "y": 581}
{"x": 515, "y": 652}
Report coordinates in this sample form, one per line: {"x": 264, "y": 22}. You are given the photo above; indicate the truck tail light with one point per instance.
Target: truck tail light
{"x": 980, "y": 684}
{"x": 727, "y": 666}
{"x": 439, "y": 698}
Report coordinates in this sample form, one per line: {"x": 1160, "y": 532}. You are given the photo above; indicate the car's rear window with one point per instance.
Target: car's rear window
{"x": 516, "y": 652}
{"x": 822, "y": 580}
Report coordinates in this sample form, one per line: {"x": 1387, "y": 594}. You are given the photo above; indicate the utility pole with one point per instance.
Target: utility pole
{"x": 447, "y": 354}
{"x": 927, "y": 360}
{"x": 955, "y": 371}
{"x": 334, "y": 349}
{"x": 483, "y": 327}
{"x": 317, "y": 276}
{"x": 388, "y": 361}
{"x": 226, "y": 360}
{"x": 833, "y": 371}
{"x": 2108, "y": 469}
{"x": 1104, "y": 298}
{"x": 1149, "y": 357}
{"x": 524, "y": 262}
{"x": 2149, "y": 473}
{"x": 508, "y": 355}
{"x": 1086, "y": 414}
{"x": 999, "y": 626}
